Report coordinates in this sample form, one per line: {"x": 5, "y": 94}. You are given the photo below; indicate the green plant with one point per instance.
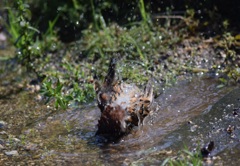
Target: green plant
{"x": 23, "y": 139}
{"x": 19, "y": 24}
{"x": 144, "y": 14}
{"x": 231, "y": 65}
{"x": 26, "y": 37}
{"x": 67, "y": 67}
{"x": 67, "y": 125}
{"x": 84, "y": 94}
{"x": 94, "y": 15}
{"x": 63, "y": 95}
{"x": 55, "y": 91}
{"x": 23, "y": 35}
{"x": 185, "y": 158}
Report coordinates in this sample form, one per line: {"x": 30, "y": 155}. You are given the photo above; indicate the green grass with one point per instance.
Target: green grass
{"x": 184, "y": 158}
{"x": 68, "y": 68}
{"x": 67, "y": 82}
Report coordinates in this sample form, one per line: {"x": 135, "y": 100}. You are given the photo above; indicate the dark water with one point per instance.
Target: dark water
{"x": 214, "y": 125}
{"x": 70, "y": 136}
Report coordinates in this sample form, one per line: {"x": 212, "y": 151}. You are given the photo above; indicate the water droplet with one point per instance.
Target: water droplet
{"x": 53, "y": 47}
{"x": 22, "y": 23}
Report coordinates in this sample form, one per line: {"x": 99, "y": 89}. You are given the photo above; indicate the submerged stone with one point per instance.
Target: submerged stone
{"x": 1, "y": 147}
{"x": 216, "y": 125}
{"x": 2, "y": 124}
{"x": 12, "y": 153}
{"x": 30, "y": 147}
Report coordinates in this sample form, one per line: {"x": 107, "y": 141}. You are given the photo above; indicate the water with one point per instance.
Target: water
{"x": 70, "y": 136}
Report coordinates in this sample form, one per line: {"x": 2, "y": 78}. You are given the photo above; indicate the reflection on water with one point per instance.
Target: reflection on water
{"x": 221, "y": 124}
{"x": 76, "y": 128}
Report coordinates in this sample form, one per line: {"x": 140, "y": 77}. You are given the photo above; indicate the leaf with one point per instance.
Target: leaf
{"x": 221, "y": 86}
{"x": 61, "y": 103}
{"x": 34, "y": 29}
{"x": 59, "y": 87}
{"x": 237, "y": 37}
{"x": 68, "y": 98}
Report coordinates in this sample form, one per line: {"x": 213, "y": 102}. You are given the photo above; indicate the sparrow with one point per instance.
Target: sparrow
{"x": 123, "y": 106}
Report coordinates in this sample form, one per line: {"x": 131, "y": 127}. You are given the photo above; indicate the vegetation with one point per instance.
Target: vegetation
{"x": 185, "y": 157}
{"x": 140, "y": 42}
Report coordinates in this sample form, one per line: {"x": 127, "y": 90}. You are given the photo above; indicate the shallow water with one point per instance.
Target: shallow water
{"x": 212, "y": 125}
{"x": 48, "y": 136}
{"x": 70, "y": 136}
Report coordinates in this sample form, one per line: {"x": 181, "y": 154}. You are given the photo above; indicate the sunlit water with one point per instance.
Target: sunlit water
{"x": 171, "y": 110}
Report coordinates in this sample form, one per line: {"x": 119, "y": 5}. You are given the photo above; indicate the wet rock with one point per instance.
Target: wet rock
{"x": 33, "y": 88}
{"x": 30, "y": 147}
{"x": 38, "y": 156}
{"x": 2, "y": 147}
{"x": 190, "y": 122}
{"x": 3, "y": 39}
{"x": 12, "y": 153}
{"x": 27, "y": 132}
{"x": 49, "y": 119}
{"x": 2, "y": 124}
{"x": 194, "y": 128}
{"x": 16, "y": 140}
{"x": 1, "y": 142}
{"x": 3, "y": 135}
{"x": 39, "y": 97}
{"x": 3, "y": 132}
{"x": 126, "y": 162}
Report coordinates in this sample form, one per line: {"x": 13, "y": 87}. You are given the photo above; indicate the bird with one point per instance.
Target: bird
{"x": 123, "y": 106}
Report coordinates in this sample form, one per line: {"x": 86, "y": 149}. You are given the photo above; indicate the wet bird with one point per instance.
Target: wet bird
{"x": 122, "y": 105}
